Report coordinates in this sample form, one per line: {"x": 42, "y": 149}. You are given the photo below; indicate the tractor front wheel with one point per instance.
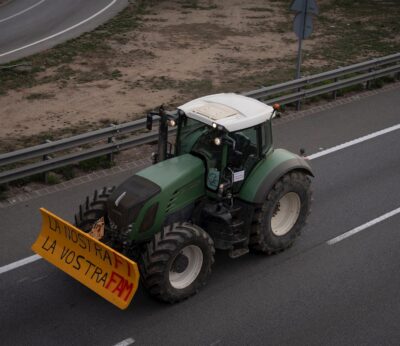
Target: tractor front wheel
{"x": 282, "y": 216}
{"x": 177, "y": 262}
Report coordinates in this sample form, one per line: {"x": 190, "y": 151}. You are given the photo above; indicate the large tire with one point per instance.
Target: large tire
{"x": 177, "y": 262}
{"x": 93, "y": 209}
{"x": 279, "y": 221}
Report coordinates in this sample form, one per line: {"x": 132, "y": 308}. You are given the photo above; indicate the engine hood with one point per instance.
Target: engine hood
{"x": 171, "y": 184}
{"x": 179, "y": 171}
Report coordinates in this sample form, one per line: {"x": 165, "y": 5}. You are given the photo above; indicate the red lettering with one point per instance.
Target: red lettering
{"x": 117, "y": 260}
{"x": 112, "y": 279}
{"x": 129, "y": 287}
{"x": 121, "y": 285}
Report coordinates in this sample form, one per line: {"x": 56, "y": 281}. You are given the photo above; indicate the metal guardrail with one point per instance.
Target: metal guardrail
{"x": 303, "y": 82}
{"x": 283, "y": 93}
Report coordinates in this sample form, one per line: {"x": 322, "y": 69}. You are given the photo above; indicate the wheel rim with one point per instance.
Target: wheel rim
{"x": 186, "y": 267}
{"x": 285, "y": 214}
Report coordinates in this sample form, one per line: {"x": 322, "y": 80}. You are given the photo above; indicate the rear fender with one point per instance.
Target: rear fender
{"x": 268, "y": 171}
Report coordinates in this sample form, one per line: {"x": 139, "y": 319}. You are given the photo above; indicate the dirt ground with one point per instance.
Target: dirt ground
{"x": 183, "y": 49}
{"x": 177, "y": 53}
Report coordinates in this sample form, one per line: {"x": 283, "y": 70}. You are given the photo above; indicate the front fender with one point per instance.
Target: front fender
{"x": 268, "y": 171}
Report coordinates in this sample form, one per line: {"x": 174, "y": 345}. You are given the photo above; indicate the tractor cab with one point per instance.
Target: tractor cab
{"x": 229, "y": 132}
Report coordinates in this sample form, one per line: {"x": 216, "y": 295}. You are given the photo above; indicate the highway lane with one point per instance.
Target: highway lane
{"x": 30, "y": 26}
{"x": 320, "y": 130}
{"x": 314, "y": 293}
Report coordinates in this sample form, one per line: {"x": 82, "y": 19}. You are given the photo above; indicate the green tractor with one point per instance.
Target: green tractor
{"x": 222, "y": 185}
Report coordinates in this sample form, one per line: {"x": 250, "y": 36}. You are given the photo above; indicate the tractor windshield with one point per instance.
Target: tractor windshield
{"x": 189, "y": 132}
{"x": 198, "y": 138}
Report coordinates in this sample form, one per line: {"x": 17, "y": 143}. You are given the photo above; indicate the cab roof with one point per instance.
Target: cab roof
{"x": 232, "y": 111}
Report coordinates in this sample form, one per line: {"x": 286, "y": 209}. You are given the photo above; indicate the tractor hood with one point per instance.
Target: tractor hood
{"x": 170, "y": 184}
{"x": 174, "y": 172}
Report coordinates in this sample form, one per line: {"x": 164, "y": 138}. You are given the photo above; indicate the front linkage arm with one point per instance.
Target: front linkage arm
{"x": 165, "y": 119}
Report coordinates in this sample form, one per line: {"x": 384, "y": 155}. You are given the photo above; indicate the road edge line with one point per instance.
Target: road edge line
{"x": 20, "y": 263}
{"x": 366, "y": 225}
{"x": 126, "y": 342}
{"x": 22, "y": 12}
{"x": 354, "y": 142}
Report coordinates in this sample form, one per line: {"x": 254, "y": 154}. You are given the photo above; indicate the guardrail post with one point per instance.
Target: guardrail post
{"x": 110, "y": 156}
{"x": 334, "y": 92}
{"x": 298, "y": 103}
{"x": 368, "y": 84}
{"x": 46, "y": 157}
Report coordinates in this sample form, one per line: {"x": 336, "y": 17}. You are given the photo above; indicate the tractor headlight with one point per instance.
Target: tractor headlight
{"x": 171, "y": 122}
{"x": 217, "y": 141}
{"x": 214, "y": 125}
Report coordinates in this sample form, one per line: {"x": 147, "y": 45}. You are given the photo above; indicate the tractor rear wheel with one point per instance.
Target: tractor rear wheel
{"x": 279, "y": 221}
{"x": 93, "y": 209}
{"x": 177, "y": 262}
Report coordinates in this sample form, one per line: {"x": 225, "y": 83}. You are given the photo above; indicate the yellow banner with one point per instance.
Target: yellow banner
{"x": 94, "y": 264}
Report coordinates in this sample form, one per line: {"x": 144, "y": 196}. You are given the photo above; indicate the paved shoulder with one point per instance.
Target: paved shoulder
{"x": 30, "y": 26}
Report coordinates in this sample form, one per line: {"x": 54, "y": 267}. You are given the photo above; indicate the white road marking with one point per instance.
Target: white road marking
{"x": 22, "y": 12}
{"x": 39, "y": 278}
{"x": 126, "y": 342}
{"x": 363, "y": 227}
{"x": 354, "y": 142}
{"x": 33, "y": 258}
{"x": 215, "y": 343}
{"x": 61, "y": 32}
{"x": 19, "y": 263}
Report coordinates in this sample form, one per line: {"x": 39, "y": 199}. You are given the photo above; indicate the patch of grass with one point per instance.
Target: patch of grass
{"x": 101, "y": 162}
{"x": 18, "y": 142}
{"x": 3, "y": 191}
{"x": 194, "y": 4}
{"x": 257, "y": 17}
{"x": 67, "y": 172}
{"x": 31, "y": 179}
{"x": 40, "y": 96}
{"x": 189, "y": 86}
{"x": 196, "y": 86}
{"x": 52, "y": 178}
{"x": 115, "y": 74}
{"x": 380, "y": 82}
{"x": 357, "y": 30}
{"x": 259, "y": 9}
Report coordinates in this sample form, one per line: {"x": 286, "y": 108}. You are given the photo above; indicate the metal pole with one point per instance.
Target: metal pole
{"x": 46, "y": 157}
{"x": 110, "y": 156}
{"x": 368, "y": 84}
{"x": 299, "y": 57}
{"x": 298, "y": 68}
{"x": 162, "y": 136}
{"x": 334, "y": 93}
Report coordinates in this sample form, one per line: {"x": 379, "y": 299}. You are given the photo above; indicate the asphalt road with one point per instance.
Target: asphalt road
{"x": 312, "y": 294}
{"x": 30, "y": 26}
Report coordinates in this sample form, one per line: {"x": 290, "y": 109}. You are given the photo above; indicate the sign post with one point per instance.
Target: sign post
{"x": 302, "y": 26}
